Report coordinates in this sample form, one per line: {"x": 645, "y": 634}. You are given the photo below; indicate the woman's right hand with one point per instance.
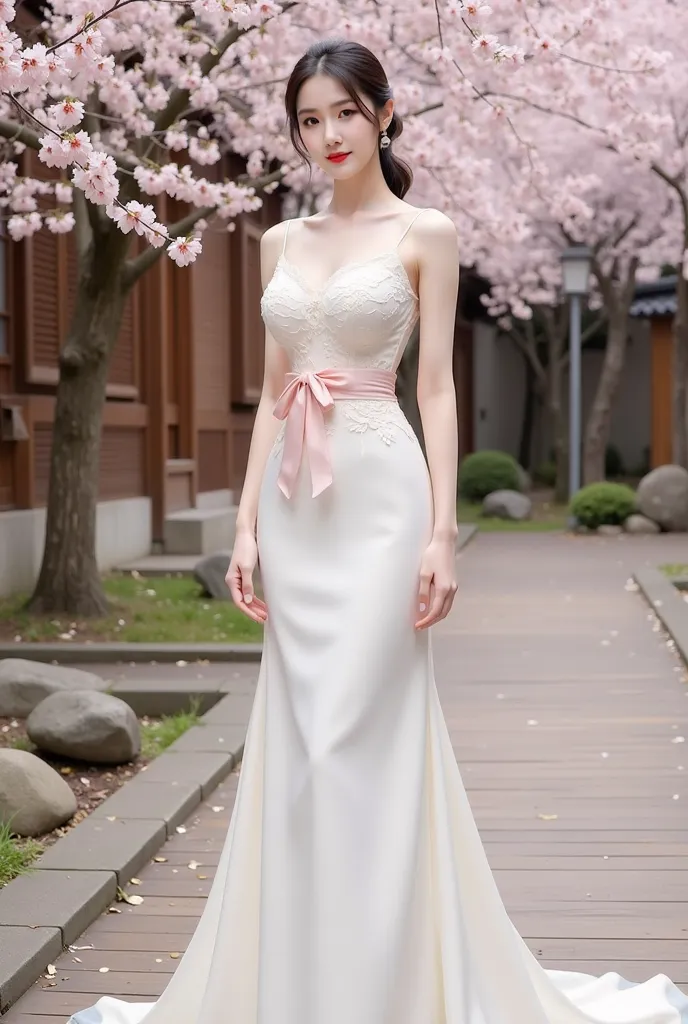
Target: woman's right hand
{"x": 239, "y": 577}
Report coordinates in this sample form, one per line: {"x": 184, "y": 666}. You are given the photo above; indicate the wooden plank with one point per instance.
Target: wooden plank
{"x": 575, "y": 910}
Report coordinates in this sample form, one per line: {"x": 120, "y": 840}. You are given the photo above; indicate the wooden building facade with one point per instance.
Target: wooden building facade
{"x": 184, "y": 379}
{"x": 656, "y": 303}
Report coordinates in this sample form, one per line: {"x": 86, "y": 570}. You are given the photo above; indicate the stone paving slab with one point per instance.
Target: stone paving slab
{"x": 96, "y": 844}
{"x": 667, "y": 604}
{"x": 169, "y": 802}
{"x": 234, "y": 709}
{"x": 211, "y": 739}
{"x": 24, "y": 953}
{"x": 78, "y": 654}
{"x": 166, "y": 697}
{"x": 205, "y": 769}
{"x": 43, "y": 900}
{"x": 77, "y": 878}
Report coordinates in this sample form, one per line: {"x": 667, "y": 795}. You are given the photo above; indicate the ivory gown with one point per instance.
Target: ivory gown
{"x": 353, "y": 887}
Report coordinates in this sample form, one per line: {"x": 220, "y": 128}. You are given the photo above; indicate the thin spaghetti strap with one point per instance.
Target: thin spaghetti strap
{"x": 409, "y": 226}
{"x": 284, "y": 245}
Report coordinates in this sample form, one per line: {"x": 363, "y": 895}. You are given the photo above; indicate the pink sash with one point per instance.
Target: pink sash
{"x": 302, "y": 404}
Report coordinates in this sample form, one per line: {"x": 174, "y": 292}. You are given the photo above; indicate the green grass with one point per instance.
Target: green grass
{"x": 16, "y": 855}
{"x": 22, "y": 743}
{"x": 674, "y": 569}
{"x": 156, "y": 736}
{"x": 545, "y": 517}
{"x": 161, "y": 609}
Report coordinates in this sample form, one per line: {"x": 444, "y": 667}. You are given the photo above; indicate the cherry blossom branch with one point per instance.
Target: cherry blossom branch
{"x": 180, "y": 97}
{"x": 12, "y": 129}
{"x": 91, "y": 20}
{"x": 135, "y": 267}
{"x": 138, "y": 265}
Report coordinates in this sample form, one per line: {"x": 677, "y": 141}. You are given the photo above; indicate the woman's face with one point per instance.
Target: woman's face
{"x": 330, "y": 123}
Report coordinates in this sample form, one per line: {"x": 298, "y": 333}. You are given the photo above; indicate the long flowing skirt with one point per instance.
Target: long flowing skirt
{"x": 353, "y": 887}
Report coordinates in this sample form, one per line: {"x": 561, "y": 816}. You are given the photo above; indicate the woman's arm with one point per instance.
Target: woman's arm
{"x": 438, "y": 265}
{"x": 239, "y": 576}
{"x": 266, "y": 425}
{"x": 438, "y": 260}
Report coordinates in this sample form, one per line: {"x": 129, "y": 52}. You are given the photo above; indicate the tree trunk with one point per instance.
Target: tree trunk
{"x": 598, "y": 427}
{"x": 525, "y": 444}
{"x": 69, "y": 580}
{"x": 680, "y": 374}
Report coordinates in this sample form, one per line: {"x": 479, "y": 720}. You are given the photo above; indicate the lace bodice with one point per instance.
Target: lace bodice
{"x": 362, "y": 316}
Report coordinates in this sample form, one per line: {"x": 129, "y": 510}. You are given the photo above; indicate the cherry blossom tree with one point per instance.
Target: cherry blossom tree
{"x": 619, "y": 77}
{"x": 129, "y": 101}
{"x": 632, "y": 228}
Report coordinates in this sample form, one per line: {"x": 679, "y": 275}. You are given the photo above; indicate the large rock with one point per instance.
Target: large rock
{"x": 86, "y": 725}
{"x": 24, "y": 684}
{"x": 210, "y": 572}
{"x": 34, "y": 799}
{"x": 663, "y": 496}
{"x": 640, "y": 524}
{"x": 525, "y": 484}
{"x": 507, "y": 505}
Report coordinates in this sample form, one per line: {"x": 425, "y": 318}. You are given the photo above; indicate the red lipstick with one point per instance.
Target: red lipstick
{"x": 338, "y": 158}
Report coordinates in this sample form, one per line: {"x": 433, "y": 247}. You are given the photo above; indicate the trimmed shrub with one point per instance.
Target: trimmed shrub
{"x": 603, "y": 504}
{"x": 546, "y": 474}
{"x": 481, "y": 473}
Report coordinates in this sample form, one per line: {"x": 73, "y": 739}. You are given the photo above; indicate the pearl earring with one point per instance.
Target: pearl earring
{"x": 385, "y": 140}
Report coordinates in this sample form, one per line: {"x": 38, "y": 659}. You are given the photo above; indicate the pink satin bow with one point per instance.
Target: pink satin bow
{"x": 303, "y": 403}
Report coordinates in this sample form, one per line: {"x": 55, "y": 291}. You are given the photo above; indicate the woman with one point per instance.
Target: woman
{"x": 353, "y": 887}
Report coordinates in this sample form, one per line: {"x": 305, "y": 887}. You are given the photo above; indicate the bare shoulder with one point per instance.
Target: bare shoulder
{"x": 271, "y": 243}
{"x": 435, "y": 229}
{"x": 272, "y": 238}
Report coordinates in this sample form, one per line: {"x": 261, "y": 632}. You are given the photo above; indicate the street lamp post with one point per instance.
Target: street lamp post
{"x": 576, "y": 271}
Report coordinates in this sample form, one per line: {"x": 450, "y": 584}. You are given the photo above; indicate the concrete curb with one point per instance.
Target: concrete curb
{"x": 107, "y": 653}
{"x": 76, "y": 879}
{"x": 114, "y": 652}
{"x": 667, "y": 604}
{"x": 467, "y": 532}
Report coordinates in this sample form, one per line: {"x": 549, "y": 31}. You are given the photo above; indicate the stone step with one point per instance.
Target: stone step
{"x": 200, "y": 531}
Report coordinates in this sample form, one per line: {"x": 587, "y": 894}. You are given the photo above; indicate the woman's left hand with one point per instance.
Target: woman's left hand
{"x": 438, "y": 584}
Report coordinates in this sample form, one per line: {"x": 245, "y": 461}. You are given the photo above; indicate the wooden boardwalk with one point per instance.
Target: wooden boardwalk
{"x": 566, "y": 709}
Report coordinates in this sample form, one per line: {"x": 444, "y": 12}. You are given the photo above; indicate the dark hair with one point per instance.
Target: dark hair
{"x": 359, "y": 71}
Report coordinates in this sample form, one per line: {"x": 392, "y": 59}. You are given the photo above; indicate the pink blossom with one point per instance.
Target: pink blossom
{"x": 150, "y": 180}
{"x": 34, "y": 65}
{"x": 176, "y": 140}
{"x": 68, "y": 112}
{"x": 60, "y": 222}
{"x": 476, "y": 9}
{"x": 132, "y": 216}
{"x": 184, "y": 250}
{"x": 204, "y": 151}
{"x": 23, "y": 226}
{"x": 63, "y": 192}
{"x": 10, "y": 73}
{"x": 52, "y": 153}
{"x": 98, "y": 179}
{"x": 77, "y": 147}
{"x": 485, "y": 45}
{"x": 157, "y": 235}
